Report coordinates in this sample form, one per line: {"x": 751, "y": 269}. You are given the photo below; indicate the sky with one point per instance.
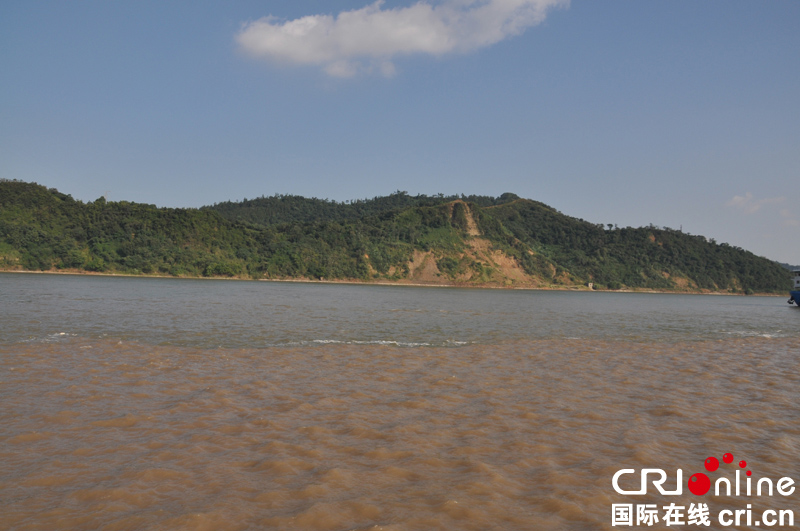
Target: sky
{"x": 681, "y": 114}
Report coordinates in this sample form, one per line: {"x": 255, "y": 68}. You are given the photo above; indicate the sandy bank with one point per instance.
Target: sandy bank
{"x": 426, "y": 284}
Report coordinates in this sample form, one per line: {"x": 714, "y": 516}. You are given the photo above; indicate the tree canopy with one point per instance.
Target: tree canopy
{"x": 286, "y": 236}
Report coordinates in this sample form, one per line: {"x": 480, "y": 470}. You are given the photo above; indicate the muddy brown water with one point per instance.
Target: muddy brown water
{"x": 169, "y": 404}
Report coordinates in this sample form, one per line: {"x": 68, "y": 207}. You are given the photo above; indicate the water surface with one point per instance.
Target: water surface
{"x": 178, "y": 404}
{"x": 209, "y": 313}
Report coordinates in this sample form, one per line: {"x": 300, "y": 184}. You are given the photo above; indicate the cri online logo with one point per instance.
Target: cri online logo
{"x": 699, "y": 484}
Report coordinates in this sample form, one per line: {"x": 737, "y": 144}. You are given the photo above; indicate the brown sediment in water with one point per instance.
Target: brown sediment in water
{"x": 522, "y": 435}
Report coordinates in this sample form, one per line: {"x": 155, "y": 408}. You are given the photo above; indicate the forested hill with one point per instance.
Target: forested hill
{"x": 456, "y": 240}
{"x": 297, "y": 209}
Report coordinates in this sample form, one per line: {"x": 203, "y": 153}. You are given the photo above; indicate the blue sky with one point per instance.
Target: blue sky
{"x": 676, "y": 113}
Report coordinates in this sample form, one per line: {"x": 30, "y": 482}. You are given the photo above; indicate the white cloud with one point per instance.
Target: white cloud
{"x": 789, "y": 219}
{"x": 365, "y": 40}
{"x": 749, "y": 205}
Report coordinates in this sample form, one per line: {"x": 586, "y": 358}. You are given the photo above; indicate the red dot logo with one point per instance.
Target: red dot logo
{"x": 728, "y": 458}
{"x": 699, "y": 484}
{"x": 749, "y": 473}
{"x": 712, "y": 464}
{"x": 742, "y": 464}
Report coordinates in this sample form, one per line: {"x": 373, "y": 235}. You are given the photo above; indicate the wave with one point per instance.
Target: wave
{"x": 50, "y": 338}
{"x": 757, "y": 333}
{"x": 388, "y": 342}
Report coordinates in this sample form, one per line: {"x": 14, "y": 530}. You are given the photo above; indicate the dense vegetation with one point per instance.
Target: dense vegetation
{"x": 297, "y": 209}
{"x": 648, "y": 257}
{"x": 380, "y": 238}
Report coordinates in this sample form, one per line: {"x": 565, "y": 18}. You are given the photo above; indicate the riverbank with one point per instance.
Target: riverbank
{"x": 383, "y": 282}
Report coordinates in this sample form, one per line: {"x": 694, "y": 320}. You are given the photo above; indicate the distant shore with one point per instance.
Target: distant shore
{"x": 411, "y": 283}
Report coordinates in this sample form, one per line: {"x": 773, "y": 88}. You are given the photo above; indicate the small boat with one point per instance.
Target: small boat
{"x": 794, "y": 295}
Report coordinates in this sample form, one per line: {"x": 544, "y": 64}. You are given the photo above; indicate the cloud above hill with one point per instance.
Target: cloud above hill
{"x": 750, "y": 205}
{"x": 366, "y": 40}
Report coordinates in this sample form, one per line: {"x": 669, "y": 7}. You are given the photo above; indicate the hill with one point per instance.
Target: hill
{"x": 297, "y": 209}
{"x": 455, "y": 240}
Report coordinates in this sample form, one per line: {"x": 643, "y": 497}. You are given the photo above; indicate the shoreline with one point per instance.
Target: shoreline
{"x": 456, "y": 285}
